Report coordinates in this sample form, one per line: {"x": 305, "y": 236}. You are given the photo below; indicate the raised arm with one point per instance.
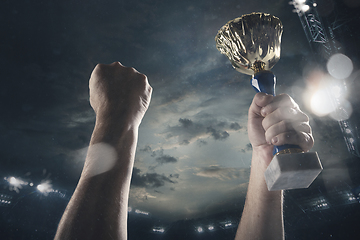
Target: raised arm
{"x": 98, "y": 208}
{"x": 272, "y": 121}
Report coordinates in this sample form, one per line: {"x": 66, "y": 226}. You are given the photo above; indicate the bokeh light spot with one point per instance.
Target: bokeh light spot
{"x": 305, "y": 8}
{"x": 340, "y": 66}
{"x": 321, "y": 103}
{"x": 343, "y": 111}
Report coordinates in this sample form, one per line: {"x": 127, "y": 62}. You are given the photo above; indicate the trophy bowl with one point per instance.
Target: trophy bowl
{"x": 249, "y": 39}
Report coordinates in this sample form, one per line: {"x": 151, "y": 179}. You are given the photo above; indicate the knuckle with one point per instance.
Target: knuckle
{"x": 306, "y": 141}
{"x": 265, "y": 124}
{"x": 131, "y": 70}
{"x": 262, "y": 99}
{"x": 310, "y": 141}
{"x": 143, "y": 77}
{"x": 98, "y": 68}
{"x": 306, "y": 127}
{"x": 116, "y": 64}
{"x": 268, "y": 136}
{"x": 306, "y": 117}
{"x": 284, "y": 96}
{"x": 99, "y": 65}
{"x": 260, "y": 95}
{"x": 288, "y": 100}
{"x": 302, "y": 116}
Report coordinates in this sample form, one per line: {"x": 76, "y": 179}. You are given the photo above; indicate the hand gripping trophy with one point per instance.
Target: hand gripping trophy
{"x": 252, "y": 44}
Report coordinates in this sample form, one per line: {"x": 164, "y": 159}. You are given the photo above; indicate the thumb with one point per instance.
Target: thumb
{"x": 260, "y": 100}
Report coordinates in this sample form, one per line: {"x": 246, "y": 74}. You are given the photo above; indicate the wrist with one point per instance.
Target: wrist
{"x": 261, "y": 159}
{"x": 262, "y": 155}
{"x": 112, "y": 129}
{"x": 112, "y": 147}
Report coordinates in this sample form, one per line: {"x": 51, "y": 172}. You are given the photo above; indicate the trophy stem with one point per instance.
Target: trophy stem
{"x": 258, "y": 66}
{"x": 264, "y": 81}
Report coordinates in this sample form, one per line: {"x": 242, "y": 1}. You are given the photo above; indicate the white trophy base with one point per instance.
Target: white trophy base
{"x": 292, "y": 171}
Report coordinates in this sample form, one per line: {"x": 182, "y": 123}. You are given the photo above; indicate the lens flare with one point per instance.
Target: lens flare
{"x": 45, "y": 187}
{"x": 199, "y": 229}
{"x": 326, "y": 95}
{"x": 158, "y": 230}
{"x": 305, "y": 8}
{"x": 321, "y": 103}
{"x": 340, "y": 66}
{"x": 343, "y": 111}
{"x": 101, "y": 157}
{"x": 15, "y": 183}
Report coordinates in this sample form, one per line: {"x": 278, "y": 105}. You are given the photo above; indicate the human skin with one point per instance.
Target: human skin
{"x": 98, "y": 208}
{"x": 271, "y": 121}
{"x": 120, "y": 96}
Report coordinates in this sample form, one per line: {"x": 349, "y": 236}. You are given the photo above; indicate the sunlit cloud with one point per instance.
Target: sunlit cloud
{"x": 138, "y": 194}
{"x": 223, "y": 173}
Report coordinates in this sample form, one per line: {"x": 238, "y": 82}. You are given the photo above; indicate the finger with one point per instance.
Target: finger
{"x": 283, "y": 127}
{"x": 304, "y": 140}
{"x": 281, "y": 100}
{"x": 287, "y": 114}
{"x": 260, "y": 100}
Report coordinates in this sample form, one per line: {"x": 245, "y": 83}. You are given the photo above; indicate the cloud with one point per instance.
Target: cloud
{"x": 166, "y": 159}
{"x": 186, "y": 123}
{"x": 161, "y": 158}
{"x": 188, "y": 131}
{"x": 150, "y": 180}
{"x": 147, "y": 149}
{"x": 223, "y": 173}
{"x": 216, "y": 134}
{"x": 139, "y": 194}
{"x": 247, "y": 148}
{"x": 235, "y": 126}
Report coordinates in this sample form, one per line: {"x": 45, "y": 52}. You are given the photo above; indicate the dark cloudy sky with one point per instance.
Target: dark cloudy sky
{"x": 193, "y": 155}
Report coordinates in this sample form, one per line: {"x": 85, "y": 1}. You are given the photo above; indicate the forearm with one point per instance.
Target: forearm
{"x": 262, "y": 216}
{"x": 98, "y": 208}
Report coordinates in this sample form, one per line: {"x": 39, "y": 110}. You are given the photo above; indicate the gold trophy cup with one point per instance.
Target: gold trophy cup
{"x": 252, "y": 44}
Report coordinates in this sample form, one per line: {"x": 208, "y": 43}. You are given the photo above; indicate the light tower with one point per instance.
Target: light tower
{"x": 321, "y": 37}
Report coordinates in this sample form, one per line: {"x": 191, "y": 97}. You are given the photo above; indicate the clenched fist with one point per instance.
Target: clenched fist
{"x": 119, "y": 93}
{"x": 278, "y": 120}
